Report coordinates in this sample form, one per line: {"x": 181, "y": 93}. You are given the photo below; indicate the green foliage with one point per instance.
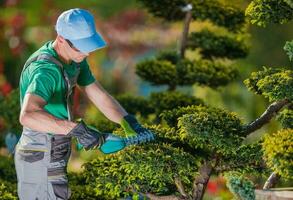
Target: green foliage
{"x": 104, "y": 125}
{"x": 241, "y": 187}
{"x": 79, "y": 187}
{"x": 286, "y": 118}
{"x": 157, "y": 71}
{"x": 212, "y": 45}
{"x": 263, "y": 12}
{"x": 273, "y": 83}
{"x": 5, "y": 191}
{"x": 140, "y": 169}
{"x": 96, "y": 119}
{"x": 171, "y": 99}
{"x": 289, "y": 2}
{"x": 7, "y": 169}
{"x": 204, "y": 72}
{"x": 278, "y": 152}
{"x": 9, "y": 109}
{"x": 171, "y": 56}
{"x": 246, "y": 159}
{"x": 186, "y": 72}
{"x": 7, "y": 179}
{"x": 213, "y": 129}
{"x": 222, "y": 15}
{"x": 289, "y": 49}
{"x": 135, "y": 104}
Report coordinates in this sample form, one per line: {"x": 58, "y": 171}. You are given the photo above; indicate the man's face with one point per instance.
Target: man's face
{"x": 74, "y": 53}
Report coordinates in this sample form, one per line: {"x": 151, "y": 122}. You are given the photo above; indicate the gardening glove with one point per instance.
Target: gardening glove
{"x": 90, "y": 138}
{"x": 112, "y": 144}
{"x": 86, "y": 136}
{"x": 134, "y": 131}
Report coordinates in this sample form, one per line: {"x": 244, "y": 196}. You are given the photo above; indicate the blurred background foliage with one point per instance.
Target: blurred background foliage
{"x": 133, "y": 35}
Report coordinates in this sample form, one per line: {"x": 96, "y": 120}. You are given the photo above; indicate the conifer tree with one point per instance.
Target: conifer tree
{"x": 193, "y": 140}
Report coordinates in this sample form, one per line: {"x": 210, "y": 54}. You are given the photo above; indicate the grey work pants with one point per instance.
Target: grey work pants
{"x": 41, "y": 161}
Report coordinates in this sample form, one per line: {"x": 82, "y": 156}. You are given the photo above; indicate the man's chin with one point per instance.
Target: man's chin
{"x": 78, "y": 60}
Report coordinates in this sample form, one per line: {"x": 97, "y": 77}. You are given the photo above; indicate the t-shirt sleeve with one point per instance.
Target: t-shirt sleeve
{"x": 85, "y": 77}
{"x": 43, "y": 83}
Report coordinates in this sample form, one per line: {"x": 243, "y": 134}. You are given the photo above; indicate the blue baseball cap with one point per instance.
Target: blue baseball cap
{"x": 78, "y": 26}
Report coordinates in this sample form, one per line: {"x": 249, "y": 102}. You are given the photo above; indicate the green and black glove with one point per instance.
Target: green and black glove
{"x": 134, "y": 131}
{"x": 90, "y": 138}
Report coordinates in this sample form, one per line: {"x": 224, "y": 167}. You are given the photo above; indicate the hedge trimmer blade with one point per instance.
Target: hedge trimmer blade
{"x": 139, "y": 139}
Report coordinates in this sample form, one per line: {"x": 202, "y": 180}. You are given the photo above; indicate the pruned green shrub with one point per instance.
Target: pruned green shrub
{"x": 140, "y": 169}
{"x": 212, "y": 45}
{"x": 220, "y": 14}
{"x": 263, "y": 12}
{"x": 273, "y": 83}
{"x": 278, "y": 152}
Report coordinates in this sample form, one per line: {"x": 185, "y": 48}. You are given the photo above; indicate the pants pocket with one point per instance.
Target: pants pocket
{"x": 31, "y": 155}
{"x": 61, "y": 190}
{"x": 60, "y": 148}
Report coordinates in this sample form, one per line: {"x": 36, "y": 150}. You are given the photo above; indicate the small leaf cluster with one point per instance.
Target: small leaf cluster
{"x": 147, "y": 168}
{"x": 5, "y": 191}
{"x": 212, "y": 45}
{"x": 241, "y": 187}
{"x": 247, "y": 158}
{"x": 289, "y": 2}
{"x": 220, "y": 14}
{"x": 286, "y": 117}
{"x": 278, "y": 152}
{"x": 263, "y": 12}
{"x": 273, "y": 83}
{"x": 289, "y": 49}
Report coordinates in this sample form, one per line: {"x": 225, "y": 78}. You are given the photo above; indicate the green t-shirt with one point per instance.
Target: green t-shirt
{"x": 45, "y": 79}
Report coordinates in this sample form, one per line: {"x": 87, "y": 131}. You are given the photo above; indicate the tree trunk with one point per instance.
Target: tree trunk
{"x": 201, "y": 181}
{"x": 184, "y": 38}
{"x": 272, "y": 181}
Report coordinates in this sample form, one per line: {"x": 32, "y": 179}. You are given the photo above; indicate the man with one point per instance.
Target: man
{"x": 46, "y": 86}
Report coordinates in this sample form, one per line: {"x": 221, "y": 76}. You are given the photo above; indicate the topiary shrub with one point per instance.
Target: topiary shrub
{"x": 148, "y": 168}
{"x": 278, "y": 152}
{"x": 212, "y": 45}
{"x": 263, "y": 12}
{"x": 273, "y": 83}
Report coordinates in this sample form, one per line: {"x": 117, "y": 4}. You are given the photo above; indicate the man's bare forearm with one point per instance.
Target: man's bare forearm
{"x": 40, "y": 120}
{"x": 105, "y": 102}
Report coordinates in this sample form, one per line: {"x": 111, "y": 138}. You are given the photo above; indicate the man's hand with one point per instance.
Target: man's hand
{"x": 88, "y": 137}
{"x": 132, "y": 128}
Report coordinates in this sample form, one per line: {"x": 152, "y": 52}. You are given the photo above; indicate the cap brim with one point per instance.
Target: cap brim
{"x": 87, "y": 45}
